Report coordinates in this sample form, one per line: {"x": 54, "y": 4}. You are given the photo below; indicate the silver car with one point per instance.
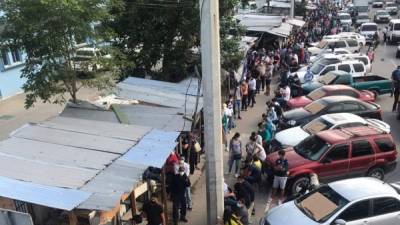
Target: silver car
{"x": 357, "y": 201}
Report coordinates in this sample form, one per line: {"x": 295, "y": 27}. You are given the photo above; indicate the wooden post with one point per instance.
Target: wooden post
{"x": 73, "y": 220}
{"x": 164, "y": 194}
{"x": 133, "y": 204}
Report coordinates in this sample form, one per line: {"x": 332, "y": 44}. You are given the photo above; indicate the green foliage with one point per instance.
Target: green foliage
{"x": 163, "y": 36}
{"x": 47, "y": 30}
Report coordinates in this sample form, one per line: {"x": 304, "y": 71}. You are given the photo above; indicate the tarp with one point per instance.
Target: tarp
{"x": 261, "y": 21}
{"x": 283, "y": 30}
{"x": 295, "y": 22}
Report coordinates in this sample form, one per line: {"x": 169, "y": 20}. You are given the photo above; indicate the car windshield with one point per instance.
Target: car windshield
{"x": 321, "y": 204}
{"x": 321, "y": 44}
{"x": 396, "y": 26}
{"x": 315, "y": 107}
{"x": 316, "y": 94}
{"x": 344, "y": 17}
{"x": 312, "y": 148}
{"x": 391, "y": 5}
{"x": 382, "y": 13}
{"x": 316, "y": 68}
{"x": 362, "y": 17}
{"x": 371, "y": 27}
{"x": 327, "y": 78}
{"x": 316, "y": 126}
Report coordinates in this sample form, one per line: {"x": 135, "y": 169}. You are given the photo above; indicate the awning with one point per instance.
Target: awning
{"x": 262, "y": 21}
{"x": 296, "y": 22}
{"x": 283, "y": 31}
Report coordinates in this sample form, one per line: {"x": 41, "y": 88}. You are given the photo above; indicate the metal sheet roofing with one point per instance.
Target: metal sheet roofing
{"x": 163, "y": 118}
{"x": 64, "y": 162}
{"x": 153, "y": 149}
{"x": 60, "y": 198}
{"x": 162, "y": 93}
{"x": 8, "y": 217}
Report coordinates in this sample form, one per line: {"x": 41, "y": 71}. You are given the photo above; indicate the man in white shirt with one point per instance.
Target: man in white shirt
{"x": 252, "y": 91}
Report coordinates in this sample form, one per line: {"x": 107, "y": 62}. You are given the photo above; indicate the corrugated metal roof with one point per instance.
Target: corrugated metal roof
{"x": 162, "y": 93}
{"x": 74, "y": 139}
{"x": 48, "y": 163}
{"x": 168, "y": 119}
{"x": 60, "y": 198}
{"x": 153, "y": 149}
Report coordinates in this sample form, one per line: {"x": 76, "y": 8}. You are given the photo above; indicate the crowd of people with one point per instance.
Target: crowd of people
{"x": 247, "y": 160}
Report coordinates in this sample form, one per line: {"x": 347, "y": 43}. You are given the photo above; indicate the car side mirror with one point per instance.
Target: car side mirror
{"x": 339, "y": 222}
{"x": 326, "y": 160}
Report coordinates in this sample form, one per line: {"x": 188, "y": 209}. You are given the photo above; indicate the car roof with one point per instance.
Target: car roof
{"x": 343, "y": 118}
{"x": 362, "y": 187}
{"x": 338, "y": 135}
{"x": 343, "y": 13}
{"x": 381, "y": 10}
{"x": 365, "y": 24}
{"x": 335, "y": 87}
{"x": 395, "y": 20}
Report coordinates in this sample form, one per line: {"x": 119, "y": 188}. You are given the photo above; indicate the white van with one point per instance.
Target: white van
{"x": 347, "y": 35}
{"x": 394, "y": 31}
{"x": 349, "y": 44}
{"x": 368, "y": 30}
{"x": 354, "y": 67}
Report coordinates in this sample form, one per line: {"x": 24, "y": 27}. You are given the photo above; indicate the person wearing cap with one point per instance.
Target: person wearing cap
{"x": 188, "y": 193}
{"x": 154, "y": 212}
{"x": 180, "y": 183}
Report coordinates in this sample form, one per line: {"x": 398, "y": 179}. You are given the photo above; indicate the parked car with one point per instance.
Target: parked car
{"x": 330, "y": 90}
{"x": 85, "y": 59}
{"x": 336, "y": 58}
{"x": 327, "y": 105}
{"x": 393, "y": 33}
{"x": 382, "y": 16}
{"x": 362, "y": 18}
{"x": 368, "y": 30}
{"x": 355, "y": 67}
{"x": 336, "y": 51}
{"x": 345, "y": 18}
{"x": 391, "y": 8}
{"x": 294, "y": 135}
{"x": 350, "y": 44}
{"x": 377, "y": 4}
{"x": 357, "y": 201}
{"x": 377, "y": 84}
{"x": 338, "y": 154}
{"x": 347, "y": 35}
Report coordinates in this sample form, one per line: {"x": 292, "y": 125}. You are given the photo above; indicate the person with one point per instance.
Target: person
{"x": 280, "y": 175}
{"x": 376, "y": 39}
{"x": 284, "y": 91}
{"x": 252, "y": 91}
{"x": 396, "y": 87}
{"x": 244, "y": 186}
{"x": 255, "y": 148}
{"x": 384, "y": 34}
{"x": 179, "y": 184}
{"x": 268, "y": 77}
{"x": 188, "y": 193}
{"x": 154, "y": 212}
{"x": 244, "y": 90}
{"x": 230, "y": 217}
{"x": 235, "y": 153}
{"x": 238, "y": 101}
{"x": 309, "y": 76}
{"x": 229, "y": 112}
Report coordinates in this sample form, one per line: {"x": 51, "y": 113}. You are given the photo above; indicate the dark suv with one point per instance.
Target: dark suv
{"x": 338, "y": 154}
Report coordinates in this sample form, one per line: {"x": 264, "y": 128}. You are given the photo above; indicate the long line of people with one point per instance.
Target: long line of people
{"x": 248, "y": 161}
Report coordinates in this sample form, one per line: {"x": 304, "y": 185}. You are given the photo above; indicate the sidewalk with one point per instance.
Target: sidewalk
{"x": 13, "y": 113}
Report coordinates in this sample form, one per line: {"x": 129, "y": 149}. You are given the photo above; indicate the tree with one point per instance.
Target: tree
{"x": 165, "y": 34}
{"x": 48, "y": 31}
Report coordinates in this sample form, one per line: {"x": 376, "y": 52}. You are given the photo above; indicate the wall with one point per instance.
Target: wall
{"x": 10, "y": 82}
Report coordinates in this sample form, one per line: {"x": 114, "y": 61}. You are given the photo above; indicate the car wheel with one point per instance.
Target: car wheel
{"x": 376, "y": 172}
{"x": 298, "y": 183}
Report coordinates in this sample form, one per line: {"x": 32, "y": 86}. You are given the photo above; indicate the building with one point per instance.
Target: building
{"x": 11, "y": 63}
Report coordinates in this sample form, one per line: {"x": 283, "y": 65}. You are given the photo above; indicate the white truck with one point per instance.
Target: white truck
{"x": 360, "y": 5}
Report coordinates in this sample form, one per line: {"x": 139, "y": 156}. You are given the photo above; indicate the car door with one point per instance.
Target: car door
{"x": 356, "y": 214}
{"x": 334, "y": 108}
{"x": 345, "y": 67}
{"x": 352, "y": 107}
{"x": 366, "y": 112}
{"x": 334, "y": 164}
{"x": 362, "y": 157}
{"x": 385, "y": 211}
{"x": 358, "y": 69}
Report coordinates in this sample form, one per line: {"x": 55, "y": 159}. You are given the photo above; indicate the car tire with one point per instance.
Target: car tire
{"x": 376, "y": 172}
{"x": 297, "y": 182}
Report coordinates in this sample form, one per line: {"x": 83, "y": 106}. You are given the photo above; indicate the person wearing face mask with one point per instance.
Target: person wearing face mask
{"x": 154, "y": 212}
{"x": 186, "y": 168}
{"x": 180, "y": 183}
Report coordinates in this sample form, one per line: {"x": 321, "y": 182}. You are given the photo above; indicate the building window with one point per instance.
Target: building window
{"x": 16, "y": 56}
{"x": 4, "y": 56}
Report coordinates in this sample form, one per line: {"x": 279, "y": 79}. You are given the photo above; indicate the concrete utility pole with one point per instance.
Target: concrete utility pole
{"x": 211, "y": 68}
{"x": 292, "y": 8}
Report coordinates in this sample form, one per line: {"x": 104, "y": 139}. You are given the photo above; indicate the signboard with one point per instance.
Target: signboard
{"x": 8, "y": 217}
